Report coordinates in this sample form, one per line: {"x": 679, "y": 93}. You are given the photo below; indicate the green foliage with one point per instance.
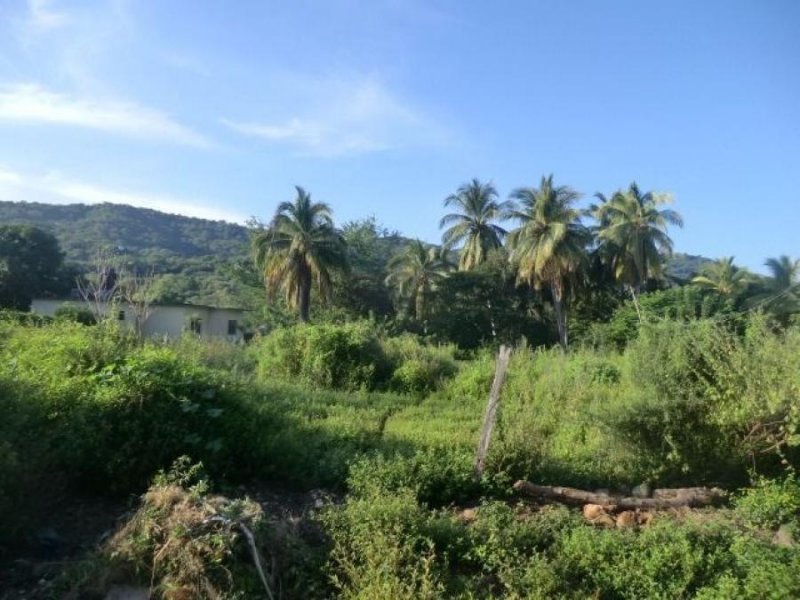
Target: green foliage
{"x": 380, "y": 549}
{"x": 771, "y": 502}
{"x": 386, "y": 540}
{"x": 686, "y": 303}
{"x": 417, "y": 367}
{"x": 436, "y": 475}
{"x": 30, "y": 265}
{"x": 331, "y": 356}
{"x": 351, "y": 356}
{"x": 74, "y": 313}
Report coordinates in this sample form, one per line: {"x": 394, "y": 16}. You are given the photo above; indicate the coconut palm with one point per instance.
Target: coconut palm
{"x": 633, "y": 235}
{"x": 299, "y": 250}
{"x": 415, "y": 272}
{"x": 473, "y": 225}
{"x": 723, "y": 277}
{"x": 781, "y": 295}
{"x": 549, "y": 245}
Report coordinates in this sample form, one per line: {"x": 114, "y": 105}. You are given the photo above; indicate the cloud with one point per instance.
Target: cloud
{"x": 34, "y": 104}
{"x": 42, "y": 17}
{"x": 53, "y": 188}
{"x": 344, "y": 117}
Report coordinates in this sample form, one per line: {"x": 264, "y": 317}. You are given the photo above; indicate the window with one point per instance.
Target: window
{"x": 232, "y": 327}
{"x": 121, "y": 315}
{"x": 196, "y": 325}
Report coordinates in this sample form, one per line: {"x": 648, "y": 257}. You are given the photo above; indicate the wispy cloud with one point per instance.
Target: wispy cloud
{"x": 33, "y": 103}
{"x": 346, "y": 116}
{"x": 53, "y": 188}
{"x": 43, "y": 17}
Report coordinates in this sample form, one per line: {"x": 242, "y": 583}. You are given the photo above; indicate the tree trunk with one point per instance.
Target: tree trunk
{"x": 304, "y": 295}
{"x": 661, "y": 498}
{"x": 561, "y": 317}
{"x": 636, "y": 304}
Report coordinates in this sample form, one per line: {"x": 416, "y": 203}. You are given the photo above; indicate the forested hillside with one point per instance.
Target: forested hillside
{"x": 148, "y": 235}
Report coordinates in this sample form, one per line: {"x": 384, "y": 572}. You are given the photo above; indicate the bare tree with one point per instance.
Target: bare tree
{"x": 137, "y": 292}
{"x": 99, "y": 288}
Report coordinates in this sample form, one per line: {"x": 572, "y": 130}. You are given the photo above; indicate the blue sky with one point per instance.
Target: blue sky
{"x": 383, "y": 107}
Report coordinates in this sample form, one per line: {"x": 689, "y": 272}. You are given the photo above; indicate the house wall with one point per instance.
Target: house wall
{"x": 173, "y": 321}
{"x": 164, "y": 321}
{"x": 218, "y": 319}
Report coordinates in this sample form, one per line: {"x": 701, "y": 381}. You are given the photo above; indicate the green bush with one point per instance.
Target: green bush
{"x": 74, "y": 313}
{"x": 352, "y": 356}
{"x": 771, "y": 502}
{"x": 347, "y": 356}
{"x": 437, "y": 476}
{"x": 418, "y": 368}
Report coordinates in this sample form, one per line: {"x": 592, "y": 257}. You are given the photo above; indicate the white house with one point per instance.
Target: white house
{"x": 164, "y": 320}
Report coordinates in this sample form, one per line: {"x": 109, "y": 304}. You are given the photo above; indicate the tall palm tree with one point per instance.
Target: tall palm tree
{"x": 633, "y": 230}
{"x": 473, "y": 225}
{"x": 415, "y": 272}
{"x": 299, "y": 250}
{"x": 723, "y": 277}
{"x": 781, "y": 295}
{"x": 549, "y": 245}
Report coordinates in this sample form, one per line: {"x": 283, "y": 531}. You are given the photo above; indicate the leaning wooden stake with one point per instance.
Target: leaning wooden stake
{"x": 661, "y": 499}
{"x": 491, "y": 409}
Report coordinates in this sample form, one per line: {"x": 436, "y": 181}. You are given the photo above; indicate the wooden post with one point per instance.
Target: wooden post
{"x": 491, "y": 408}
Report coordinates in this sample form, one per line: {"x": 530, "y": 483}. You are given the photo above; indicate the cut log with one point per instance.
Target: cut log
{"x": 662, "y": 498}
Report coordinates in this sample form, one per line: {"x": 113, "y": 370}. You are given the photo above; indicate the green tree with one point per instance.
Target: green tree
{"x": 633, "y": 231}
{"x": 415, "y": 272}
{"x": 549, "y": 245}
{"x": 486, "y": 306}
{"x": 724, "y": 278}
{"x": 474, "y": 225}
{"x": 30, "y": 264}
{"x": 780, "y": 293}
{"x": 300, "y": 249}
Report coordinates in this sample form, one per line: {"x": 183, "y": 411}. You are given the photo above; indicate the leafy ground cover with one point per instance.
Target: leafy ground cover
{"x": 87, "y": 408}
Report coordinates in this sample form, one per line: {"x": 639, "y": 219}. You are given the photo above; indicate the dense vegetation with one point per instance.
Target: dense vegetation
{"x": 369, "y": 381}
{"x": 695, "y": 402}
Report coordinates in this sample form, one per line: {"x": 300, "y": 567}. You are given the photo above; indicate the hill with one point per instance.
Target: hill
{"x": 139, "y": 232}
{"x": 196, "y": 260}
{"x": 682, "y": 267}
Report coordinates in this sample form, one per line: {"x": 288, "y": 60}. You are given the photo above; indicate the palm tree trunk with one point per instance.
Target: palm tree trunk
{"x": 304, "y": 295}
{"x": 561, "y": 316}
{"x": 419, "y": 302}
{"x": 636, "y": 303}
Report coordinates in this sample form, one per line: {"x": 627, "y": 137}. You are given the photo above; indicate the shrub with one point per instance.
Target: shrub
{"x": 351, "y": 356}
{"x": 381, "y": 550}
{"x": 347, "y": 356}
{"x": 771, "y": 502}
{"x": 418, "y": 368}
{"x": 75, "y": 313}
{"x": 437, "y": 476}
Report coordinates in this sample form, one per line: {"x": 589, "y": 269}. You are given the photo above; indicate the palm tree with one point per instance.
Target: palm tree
{"x": 415, "y": 271}
{"x": 299, "y": 250}
{"x": 473, "y": 224}
{"x": 633, "y": 231}
{"x": 723, "y": 277}
{"x": 549, "y": 246}
{"x": 782, "y": 289}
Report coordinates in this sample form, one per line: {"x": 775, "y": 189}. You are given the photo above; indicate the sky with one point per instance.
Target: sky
{"x": 384, "y": 107}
